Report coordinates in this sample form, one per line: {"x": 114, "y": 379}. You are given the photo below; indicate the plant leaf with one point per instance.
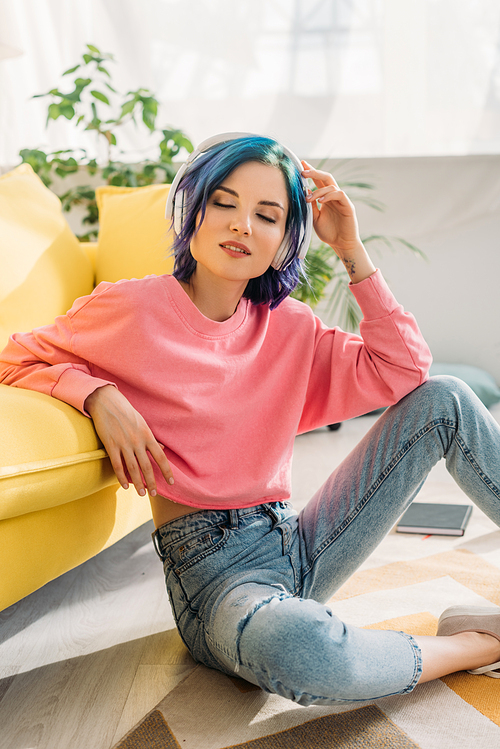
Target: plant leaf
{"x": 389, "y": 242}
{"x": 67, "y": 110}
{"x": 342, "y": 305}
{"x": 319, "y": 274}
{"x": 128, "y": 107}
{"x": 102, "y": 97}
{"x": 82, "y": 82}
{"x": 377, "y": 205}
{"x": 71, "y": 70}
{"x": 53, "y": 112}
{"x": 149, "y": 111}
{"x": 111, "y": 138}
{"x": 361, "y": 185}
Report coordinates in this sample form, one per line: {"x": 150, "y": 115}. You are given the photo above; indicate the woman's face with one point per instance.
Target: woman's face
{"x": 244, "y": 223}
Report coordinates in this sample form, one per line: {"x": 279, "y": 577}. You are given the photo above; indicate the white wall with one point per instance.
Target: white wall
{"x": 450, "y": 208}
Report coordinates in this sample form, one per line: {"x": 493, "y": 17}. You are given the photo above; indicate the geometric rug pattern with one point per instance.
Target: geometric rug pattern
{"x": 211, "y": 711}
{"x": 366, "y": 726}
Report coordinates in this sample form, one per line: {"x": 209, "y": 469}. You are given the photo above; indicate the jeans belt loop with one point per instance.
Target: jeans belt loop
{"x": 156, "y": 545}
{"x": 272, "y": 513}
{"x": 233, "y": 519}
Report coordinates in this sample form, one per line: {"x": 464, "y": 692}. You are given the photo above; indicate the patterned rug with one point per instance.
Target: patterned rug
{"x": 211, "y": 711}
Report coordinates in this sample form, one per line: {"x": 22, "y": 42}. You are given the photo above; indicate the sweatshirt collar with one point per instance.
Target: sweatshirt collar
{"x": 195, "y": 320}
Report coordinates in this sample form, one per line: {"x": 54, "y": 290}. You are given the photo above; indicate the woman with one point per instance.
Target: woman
{"x": 198, "y": 383}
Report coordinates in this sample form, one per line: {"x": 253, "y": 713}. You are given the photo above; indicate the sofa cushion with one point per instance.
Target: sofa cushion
{"x": 134, "y": 237}
{"x": 43, "y": 269}
{"x": 49, "y": 453}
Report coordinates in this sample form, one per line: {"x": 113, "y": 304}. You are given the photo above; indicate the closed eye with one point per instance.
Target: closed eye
{"x": 229, "y": 205}
{"x": 223, "y": 205}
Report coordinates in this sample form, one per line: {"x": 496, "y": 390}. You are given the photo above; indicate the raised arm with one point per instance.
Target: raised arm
{"x": 336, "y": 224}
{"x": 353, "y": 374}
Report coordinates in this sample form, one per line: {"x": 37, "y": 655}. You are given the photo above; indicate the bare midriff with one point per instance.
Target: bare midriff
{"x": 165, "y": 510}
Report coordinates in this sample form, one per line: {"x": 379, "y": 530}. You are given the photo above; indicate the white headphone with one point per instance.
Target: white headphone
{"x": 175, "y": 202}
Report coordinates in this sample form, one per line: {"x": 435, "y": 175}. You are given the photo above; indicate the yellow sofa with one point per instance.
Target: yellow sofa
{"x": 60, "y": 502}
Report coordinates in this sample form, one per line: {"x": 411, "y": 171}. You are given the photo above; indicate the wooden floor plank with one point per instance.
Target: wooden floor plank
{"x": 118, "y": 596}
{"x": 83, "y": 697}
{"x": 166, "y": 649}
{"x": 150, "y": 686}
{"x": 72, "y": 649}
{"x": 22, "y": 623}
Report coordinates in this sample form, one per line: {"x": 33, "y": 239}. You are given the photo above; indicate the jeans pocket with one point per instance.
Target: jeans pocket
{"x": 196, "y": 561}
{"x": 191, "y": 548}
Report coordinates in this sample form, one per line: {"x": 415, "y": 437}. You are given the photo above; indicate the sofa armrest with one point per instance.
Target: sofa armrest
{"x": 49, "y": 453}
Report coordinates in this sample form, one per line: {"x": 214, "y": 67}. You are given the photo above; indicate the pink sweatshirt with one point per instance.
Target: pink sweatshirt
{"x": 226, "y": 399}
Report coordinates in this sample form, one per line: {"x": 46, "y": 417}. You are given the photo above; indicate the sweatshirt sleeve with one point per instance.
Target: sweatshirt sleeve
{"x": 355, "y": 374}
{"x": 44, "y": 360}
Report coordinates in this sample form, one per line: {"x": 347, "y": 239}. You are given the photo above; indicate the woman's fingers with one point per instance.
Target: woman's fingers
{"x": 157, "y": 452}
{"x": 140, "y": 469}
{"x": 319, "y": 177}
{"x": 115, "y": 457}
{"x": 330, "y": 194}
{"x": 327, "y": 189}
{"x": 334, "y": 215}
{"x": 136, "y": 470}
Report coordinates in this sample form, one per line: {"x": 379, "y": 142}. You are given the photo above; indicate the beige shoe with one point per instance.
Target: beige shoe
{"x": 493, "y": 670}
{"x": 483, "y": 619}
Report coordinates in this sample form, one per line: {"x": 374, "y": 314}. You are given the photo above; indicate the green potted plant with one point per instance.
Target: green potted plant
{"x": 93, "y": 104}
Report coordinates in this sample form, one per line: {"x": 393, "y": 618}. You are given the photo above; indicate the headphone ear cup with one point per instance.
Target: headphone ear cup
{"x": 305, "y": 239}
{"x": 281, "y": 253}
{"x": 178, "y": 211}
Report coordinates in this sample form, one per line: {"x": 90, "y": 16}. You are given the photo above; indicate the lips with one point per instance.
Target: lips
{"x": 236, "y": 249}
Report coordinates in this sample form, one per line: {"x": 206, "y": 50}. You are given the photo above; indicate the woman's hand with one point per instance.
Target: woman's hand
{"x": 127, "y": 439}
{"x": 336, "y": 224}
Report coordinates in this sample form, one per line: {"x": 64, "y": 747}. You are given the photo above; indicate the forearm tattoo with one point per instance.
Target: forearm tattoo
{"x": 350, "y": 266}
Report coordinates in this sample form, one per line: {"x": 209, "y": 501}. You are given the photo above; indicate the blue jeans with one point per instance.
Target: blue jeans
{"x": 248, "y": 587}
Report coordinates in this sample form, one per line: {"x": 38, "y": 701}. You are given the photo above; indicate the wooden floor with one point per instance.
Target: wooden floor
{"x": 84, "y": 658}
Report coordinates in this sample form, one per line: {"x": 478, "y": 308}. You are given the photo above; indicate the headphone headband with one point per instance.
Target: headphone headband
{"x": 174, "y": 208}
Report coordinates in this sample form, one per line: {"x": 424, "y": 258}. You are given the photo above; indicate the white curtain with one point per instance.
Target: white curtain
{"x": 336, "y": 78}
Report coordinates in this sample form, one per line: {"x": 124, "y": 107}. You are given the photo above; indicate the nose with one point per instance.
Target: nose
{"x": 241, "y": 224}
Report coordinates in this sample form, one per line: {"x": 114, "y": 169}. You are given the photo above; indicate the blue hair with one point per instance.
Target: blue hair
{"x": 206, "y": 174}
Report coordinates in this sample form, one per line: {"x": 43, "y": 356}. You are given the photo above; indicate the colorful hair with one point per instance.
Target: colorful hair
{"x": 207, "y": 172}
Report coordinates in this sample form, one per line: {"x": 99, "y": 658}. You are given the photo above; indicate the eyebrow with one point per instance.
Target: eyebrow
{"x": 261, "y": 202}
